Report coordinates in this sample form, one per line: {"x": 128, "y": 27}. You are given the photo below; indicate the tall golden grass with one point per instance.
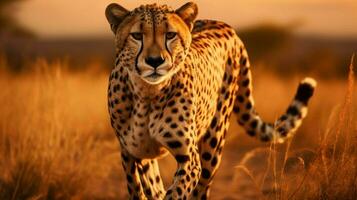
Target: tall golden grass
{"x": 56, "y": 141}
{"x": 328, "y": 171}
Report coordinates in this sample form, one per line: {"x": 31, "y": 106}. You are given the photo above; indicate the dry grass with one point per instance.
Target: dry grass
{"x": 329, "y": 171}
{"x": 56, "y": 143}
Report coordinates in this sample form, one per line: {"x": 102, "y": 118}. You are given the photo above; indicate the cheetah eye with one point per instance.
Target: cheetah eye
{"x": 170, "y": 35}
{"x": 137, "y": 35}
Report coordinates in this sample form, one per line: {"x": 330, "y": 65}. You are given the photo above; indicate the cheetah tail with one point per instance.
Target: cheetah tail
{"x": 282, "y": 128}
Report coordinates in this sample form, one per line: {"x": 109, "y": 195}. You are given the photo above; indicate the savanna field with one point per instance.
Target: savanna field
{"x": 56, "y": 141}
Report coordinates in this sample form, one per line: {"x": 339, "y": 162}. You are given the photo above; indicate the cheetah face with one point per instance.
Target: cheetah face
{"x": 154, "y": 39}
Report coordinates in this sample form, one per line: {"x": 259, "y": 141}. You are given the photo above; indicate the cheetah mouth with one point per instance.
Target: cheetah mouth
{"x": 153, "y": 78}
{"x": 154, "y": 75}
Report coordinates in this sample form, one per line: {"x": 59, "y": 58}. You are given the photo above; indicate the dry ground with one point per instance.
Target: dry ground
{"x": 56, "y": 141}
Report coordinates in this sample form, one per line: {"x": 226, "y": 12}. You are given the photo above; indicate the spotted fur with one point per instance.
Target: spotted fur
{"x": 174, "y": 86}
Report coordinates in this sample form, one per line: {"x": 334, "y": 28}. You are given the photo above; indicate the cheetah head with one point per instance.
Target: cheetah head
{"x": 153, "y": 39}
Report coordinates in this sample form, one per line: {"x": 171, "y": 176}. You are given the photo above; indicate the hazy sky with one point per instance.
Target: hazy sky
{"x": 52, "y": 18}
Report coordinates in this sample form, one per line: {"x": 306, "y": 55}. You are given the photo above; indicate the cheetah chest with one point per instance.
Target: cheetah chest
{"x": 139, "y": 135}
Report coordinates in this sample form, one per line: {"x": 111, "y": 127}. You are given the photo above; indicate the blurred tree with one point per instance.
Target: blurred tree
{"x": 13, "y": 36}
{"x": 264, "y": 40}
{"x": 8, "y": 23}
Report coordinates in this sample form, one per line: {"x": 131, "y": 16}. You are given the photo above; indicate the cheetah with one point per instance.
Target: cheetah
{"x": 175, "y": 83}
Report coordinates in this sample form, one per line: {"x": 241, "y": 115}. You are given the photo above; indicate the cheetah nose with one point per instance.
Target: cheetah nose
{"x": 154, "y": 61}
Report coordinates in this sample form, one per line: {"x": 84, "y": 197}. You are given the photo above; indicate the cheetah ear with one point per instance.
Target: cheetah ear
{"x": 115, "y": 15}
{"x": 188, "y": 13}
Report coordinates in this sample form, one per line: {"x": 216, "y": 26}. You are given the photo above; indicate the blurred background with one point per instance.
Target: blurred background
{"x": 290, "y": 37}
{"x": 55, "y": 138}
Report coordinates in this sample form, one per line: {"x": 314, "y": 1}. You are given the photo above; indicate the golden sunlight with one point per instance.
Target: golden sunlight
{"x": 53, "y": 18}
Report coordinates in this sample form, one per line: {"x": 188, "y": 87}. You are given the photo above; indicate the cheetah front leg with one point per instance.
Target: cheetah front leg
{"x": 178, "y": 136}
{"x": 188, "y": 169}
{"x": 186, "y": 176}
{"x": 151, "y": 179}
{"x": 130, "y": 166}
